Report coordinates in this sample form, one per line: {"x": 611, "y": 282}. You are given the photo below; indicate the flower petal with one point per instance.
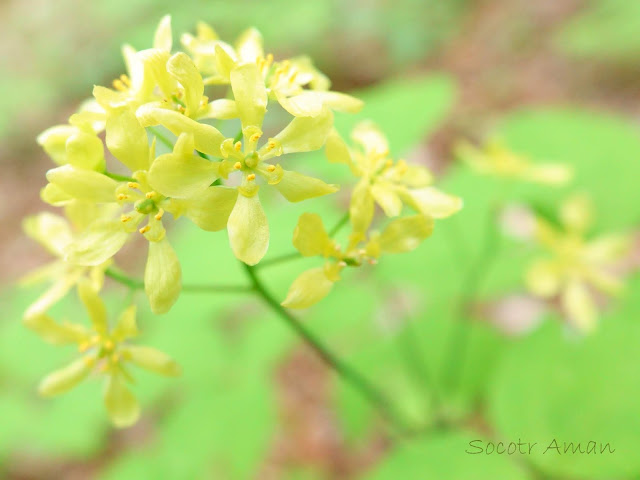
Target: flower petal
{"x": 83, "y": 184}
{"x": 305, "y": 134}
{"x": 361, "y": 207}
{"x": 153, "y": 360}
{"x": 207, "y": 139}
{"x": 162, "y": 38}
{"x": 85, "y": 150}
{"x": 576, "y": 213}
{"x": 336, "y": 149}
{"x": 185, "y": 71}
{"x": 53, "y": 332}
{"x": 370, "y": 138}
{"x": 51, "y": 231}
{"x": 296, "y": 187}
{"x": 248, "y": 230}
{"x": 222, "y": 108}
{"x": 126, "y": 139}
{"x": 53, "y": 140}
{"x": 387, "y": 198}
{"x": 121, "y": 404}
{"x": 580, "y": 307}
{"x": 65, "y": 379}
{"x": 182, "y": 174}
{"x": 94, "y": 306}
{"x": 250, "y": 94}
{"x": 162, "y": 276}
{"x": 249, "y": 46}
{"x": 126, "y": 326}
{"x": 309, "y": 237}
{"x": 405, "y": 234}
{"x": 101, "y": 241}
{"x": 543, "y": 278}
{"x": 433, "y": 202}
{"x": 309, "y": 288}
{"x": 550, "y": 174}
{"x": 209, "y": 210}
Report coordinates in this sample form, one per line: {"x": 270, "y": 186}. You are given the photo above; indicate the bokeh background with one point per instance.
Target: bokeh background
{"x": 559, "y": 80}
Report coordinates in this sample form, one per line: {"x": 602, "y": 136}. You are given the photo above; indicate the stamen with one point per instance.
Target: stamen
{"x": 238, "y": 145}
{"x": 150, "y": 194}
{"x": 125, "y": 79}
{"x": 271, "y": 145}
{"x": 122, "y": 196}
{"x": 145, "y": 229}
{"x": 159, "y": 214}
{"x": 255, "y": 137}
{"x": 271, "y": 168}
{"x": 133, "y": 185}
{"x": 237, "y": 165}
{"x": 108, "y": 345}
{"x": 389, "y": 163}
{"x": 251, "y": 177}
{"x": 125, "y": 218}
{"x": 292, "y": 78}
{"x": 118, "y": 85}
{"x": 204, "y": 100}
{"x": 269, "y": 58}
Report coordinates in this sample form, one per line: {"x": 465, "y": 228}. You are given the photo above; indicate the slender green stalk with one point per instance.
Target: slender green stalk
{"x": 120, "y": 178}
{"x": 351, "y": 376}
{"x": 137, "y": 284}
{"x": 338, "y": 226}
{"x": 168, "y": 143}
{"x": 459, "y": 344}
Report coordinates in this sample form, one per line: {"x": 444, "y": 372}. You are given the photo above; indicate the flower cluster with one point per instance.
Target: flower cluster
{"x": 144, "y": 153}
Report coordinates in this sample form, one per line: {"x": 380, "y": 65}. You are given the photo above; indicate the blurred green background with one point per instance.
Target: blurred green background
{"x": 556, "y": 80}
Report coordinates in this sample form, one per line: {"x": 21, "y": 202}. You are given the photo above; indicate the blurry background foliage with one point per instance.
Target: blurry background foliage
{"x": 557, "y": 82}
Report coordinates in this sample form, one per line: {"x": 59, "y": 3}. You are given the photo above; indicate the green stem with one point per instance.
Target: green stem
{"x": 120, "y": 178}
{"x": 137, "y": 284}
{"x": 338, "y": 226}
{"x": 168, "y": 143}
{"x": 458, "y": 346}
{"x": 351, "y": 376}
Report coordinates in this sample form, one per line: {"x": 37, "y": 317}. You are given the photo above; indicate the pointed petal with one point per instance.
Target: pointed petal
{"x": 162, "y": 276}
{"x": 53, "y": 140}
{"x": 361, "y": 207}
{"x": 580, "y": 307}
{"x": 543, "y": 278}
{"x": 305, "y": 134}
{"x": 94, "y": 306}
{"x": 309, "y": 288}
{"x": 309, "y": 237}
{"x": 387, "y": 198}
{"x": 296, "y": 187}
{"x": 65, "y": 379}
{"x": 222, "y": 109}
{"x": 310, "y": 103}
{"x": 336, "y": 149}
{"x": 405, "y": 234}
{"x": 250, "y": 94}
{"x": 52, "y": 295}
{"x": 153, "y": 360}
{"x": 126, "y": 326}
{"x": 248, "y": 230}
{"x": 85, "y": 150}
{"x": 370, "y": 138}
{"x": 608, "y": 248}
{"x": 182, "y": 174}
{"x": 121, "y": 404}
{"x": 207, "y": 139}
{"x": 211, "y": 209}
{"x": 53, "y": 332}
{"x": 126, "y": 139}
{"x": 186, "y": 72}
{"x": 576, "y": 213}
{"x": 249, "y": 46}
{"x": 433, "y": 202}
{"x": 101, "y": 241}
{"x": 550, "y": 174}
{"x": 54, "y": 195}
{"x": 83, "y": 184}
{"x": 51, "y": 231}
{"x": 162, "y": 38}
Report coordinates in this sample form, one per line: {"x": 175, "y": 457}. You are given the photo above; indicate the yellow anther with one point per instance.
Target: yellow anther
{"x": 179, "y": 94}
{"x": 122, "y": 196}
{"x": 145, "y": 229}
{"x": 125, "y": 218}
{"x": 83, "y": 347}
{"x": 251, "y": 177}
{"x": 150, "y": 194}
{"x": 115, "y": 358}
{"x": 118, "y": 85}
{"x": 125, "y": 79}
{"x": 271, "y": 168}
{"x": 108, "y": 345}
{"x": 181, "y": 109}
{"x": 133, "y": 185}
{"x": 204, "y": 100}
{"x": 271, "y": 145}
{"x": 238, "y": 145}
{"x": 237, "y": 165}
{"x": 292, "y": 78}
{"x": 388, "y": 163}
{"x": 159, "y": 214}
{"x": 255, "y": 137}
{"x": 269, "y": 58}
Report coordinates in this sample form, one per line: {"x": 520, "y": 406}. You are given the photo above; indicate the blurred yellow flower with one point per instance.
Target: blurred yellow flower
{"x": 106, "y": 351}
{"x": 495, "y": 159}
{"x": 385, "y": 182}
{"x": 311, "y": 239}
{"x": 576, "y": 267}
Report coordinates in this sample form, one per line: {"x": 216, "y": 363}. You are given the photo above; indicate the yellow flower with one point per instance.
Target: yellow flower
{"x": 247, "y": 223}
{"x": 295, "y": 83}
{"x": 106, "y": 351}
{"x": 385, "y": 182}
{"x": 495, "y": 159}
{"x": 311, "y": 239}
{"x": 575, "y": 266}
{"x": 55, "y": 233}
